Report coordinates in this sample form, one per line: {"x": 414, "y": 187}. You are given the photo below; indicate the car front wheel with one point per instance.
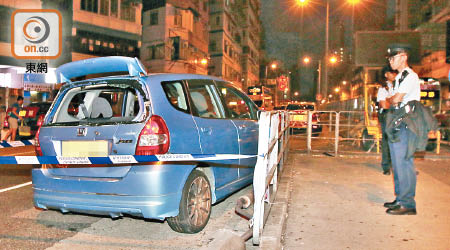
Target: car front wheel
{"x": 195, "y": 205}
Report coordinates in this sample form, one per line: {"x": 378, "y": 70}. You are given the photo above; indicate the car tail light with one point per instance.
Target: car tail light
{"x": 154, "y": 137}
{"x": 37, "y": 145}
{"x": 40, "y": 120}
{"x": 315, "y": 117}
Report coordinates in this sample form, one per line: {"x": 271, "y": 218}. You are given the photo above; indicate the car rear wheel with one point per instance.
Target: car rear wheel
{"x": 195, "y": 205}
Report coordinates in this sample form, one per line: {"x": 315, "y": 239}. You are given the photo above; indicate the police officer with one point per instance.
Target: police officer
{"x": 384, "y": 92}
{"x": 406, "y": 88}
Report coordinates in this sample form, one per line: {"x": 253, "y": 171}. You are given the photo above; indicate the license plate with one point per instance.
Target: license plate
{"x": 85, "y": 148}
{"x": 22, "y": 113}
{"x": 300, "y": 118}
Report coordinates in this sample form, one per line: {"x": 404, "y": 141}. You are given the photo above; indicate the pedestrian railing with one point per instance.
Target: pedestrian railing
{"x": 346, "y": 132}
{"x": 272, "y": 152}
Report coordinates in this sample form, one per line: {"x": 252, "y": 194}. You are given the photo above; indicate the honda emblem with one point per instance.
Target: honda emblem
{"x": 81, "y": 131}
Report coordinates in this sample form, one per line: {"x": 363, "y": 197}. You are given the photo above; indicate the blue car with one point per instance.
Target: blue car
{"x": 110, "y": 106}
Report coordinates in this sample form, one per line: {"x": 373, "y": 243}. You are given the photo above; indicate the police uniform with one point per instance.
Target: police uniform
{"x": 406, "y": 82}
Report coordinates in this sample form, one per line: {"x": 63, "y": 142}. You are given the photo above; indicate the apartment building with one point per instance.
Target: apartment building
{"x": 90, "y": 28}
{"x": 225, "y": 48}
{"x": 175, "y": 36}
{"x": 251, "y": 40}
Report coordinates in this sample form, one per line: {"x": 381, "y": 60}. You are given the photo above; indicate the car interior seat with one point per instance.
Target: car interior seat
{"x": 101, "y": 108}
{"x": 200, "y": 103}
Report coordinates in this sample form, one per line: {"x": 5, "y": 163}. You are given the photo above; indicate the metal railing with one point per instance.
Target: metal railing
{"x": 272, "y": 151}
{"x": 346, "y": 132}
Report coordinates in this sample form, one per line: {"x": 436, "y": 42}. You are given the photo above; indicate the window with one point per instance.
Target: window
{"x": 205, "y": 100}
{"x": 237, "y": 105}
{"x": 127, "y": 11}
{"x": 156, "y": 52}
{"x": 217, "y": 20}
{"x": 154, "y": 18}
{"x": 104, "y": 7}
{"x": 98, "y": 105}
{"x": 212, "y": 46}
{"x": 175, "y": 95}
{"x": 89, "y": 5}
{"x": 114, "y": 8}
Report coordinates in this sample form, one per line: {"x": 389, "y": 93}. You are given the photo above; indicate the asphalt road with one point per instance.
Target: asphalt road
{"x": 24, "y": 227}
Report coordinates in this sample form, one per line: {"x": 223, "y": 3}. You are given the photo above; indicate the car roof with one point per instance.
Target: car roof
{"x": 176, "y": 76}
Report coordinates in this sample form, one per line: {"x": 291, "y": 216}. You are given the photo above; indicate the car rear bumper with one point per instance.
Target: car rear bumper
{"x": 151, "y": 191}
{"x": 113, "y": 205}
{"x": 303, "y": 126}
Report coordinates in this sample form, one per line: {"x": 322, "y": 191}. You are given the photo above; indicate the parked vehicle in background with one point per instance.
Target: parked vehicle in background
{"x": 32, "y": 116}
{"x": 282, "y": 107}
{"x": 140, "y": 114}
{"x": 444, "y": 123}
{"x": 299, "y": 117}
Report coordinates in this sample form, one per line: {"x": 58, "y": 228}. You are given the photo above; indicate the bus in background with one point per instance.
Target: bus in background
{"x": 260, "y": 95}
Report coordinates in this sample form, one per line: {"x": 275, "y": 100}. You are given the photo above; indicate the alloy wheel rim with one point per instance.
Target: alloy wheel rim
{"x": 199, "y": 202}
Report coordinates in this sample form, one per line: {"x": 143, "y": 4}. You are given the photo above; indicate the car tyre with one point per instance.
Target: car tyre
{"x": 195, "y": 205}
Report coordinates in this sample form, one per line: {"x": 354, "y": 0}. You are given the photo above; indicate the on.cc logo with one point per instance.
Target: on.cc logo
{"x": 36, "y": 34}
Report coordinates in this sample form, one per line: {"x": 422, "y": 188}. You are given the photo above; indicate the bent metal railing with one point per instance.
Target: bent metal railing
{"x": 272, "y": 152}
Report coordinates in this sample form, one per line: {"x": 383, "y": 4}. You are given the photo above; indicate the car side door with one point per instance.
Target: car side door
{"x": 218, "y": 135}
{"x": 243, "y": 112}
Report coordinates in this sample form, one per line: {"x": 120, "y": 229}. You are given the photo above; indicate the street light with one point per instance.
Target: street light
{"x": 333, "y": 60}
{"x": 306, "y": 60}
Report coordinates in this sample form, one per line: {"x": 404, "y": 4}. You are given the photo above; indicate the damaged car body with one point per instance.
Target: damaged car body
{"x": 134, "y": 113}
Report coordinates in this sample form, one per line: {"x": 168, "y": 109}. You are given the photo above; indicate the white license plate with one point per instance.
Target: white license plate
{"x": 85, "y": 148}
{"x": 299, "y": 118}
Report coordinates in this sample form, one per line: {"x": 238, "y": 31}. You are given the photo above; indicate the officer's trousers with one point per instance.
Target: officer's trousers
{"x": 385, "y": 154}
{"x": 404, "y": 172}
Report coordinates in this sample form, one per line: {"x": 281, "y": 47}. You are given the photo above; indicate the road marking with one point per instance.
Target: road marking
{"x": 15, "y": 187}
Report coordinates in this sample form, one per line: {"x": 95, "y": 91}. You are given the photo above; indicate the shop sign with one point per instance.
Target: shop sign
{"x": 37, "y": 87}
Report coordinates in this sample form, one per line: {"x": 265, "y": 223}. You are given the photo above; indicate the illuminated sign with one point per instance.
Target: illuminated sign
{"x": 254, "y": 90}
{"x": 431, "y": 94}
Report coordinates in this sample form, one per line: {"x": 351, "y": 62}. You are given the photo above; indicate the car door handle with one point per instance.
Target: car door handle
{"x": 206, "y": 130}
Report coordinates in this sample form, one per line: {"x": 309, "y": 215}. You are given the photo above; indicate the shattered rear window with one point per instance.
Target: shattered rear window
{"x": 105, "y": 104}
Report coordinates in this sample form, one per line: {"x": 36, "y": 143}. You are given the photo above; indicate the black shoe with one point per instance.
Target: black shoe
{"x": 393, "y": 204}
{"x": 401, "y": 211}
{"x": 387, "y": 172}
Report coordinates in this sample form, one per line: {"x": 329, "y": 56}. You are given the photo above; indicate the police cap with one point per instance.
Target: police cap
{"x": 398, "y": 48}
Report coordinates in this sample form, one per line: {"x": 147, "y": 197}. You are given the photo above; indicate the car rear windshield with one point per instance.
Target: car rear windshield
{"x": 105, "y": 104}
{"x": 300, "y": 106}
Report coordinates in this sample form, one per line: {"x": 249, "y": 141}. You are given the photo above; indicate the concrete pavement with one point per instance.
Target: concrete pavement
{"x": 337, "y": 203}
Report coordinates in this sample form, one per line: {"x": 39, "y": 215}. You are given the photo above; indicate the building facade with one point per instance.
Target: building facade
{"x": 225, "y": 41}
{"x": 251, "y": 42}
{"x": 175, "y": 36}
{"x": 90, "y": 28}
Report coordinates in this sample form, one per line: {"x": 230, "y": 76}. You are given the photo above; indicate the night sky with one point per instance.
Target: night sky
{"x": 281, "y": 20}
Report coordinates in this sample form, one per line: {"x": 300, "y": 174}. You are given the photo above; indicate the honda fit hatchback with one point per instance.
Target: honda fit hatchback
{"x": 124, "y": 111}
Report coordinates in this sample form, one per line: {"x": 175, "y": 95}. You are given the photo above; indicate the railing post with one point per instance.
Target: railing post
{"x": 336, "y": 134}
{"x": 330, "y": 121}
{"x": 309, "y": 132}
